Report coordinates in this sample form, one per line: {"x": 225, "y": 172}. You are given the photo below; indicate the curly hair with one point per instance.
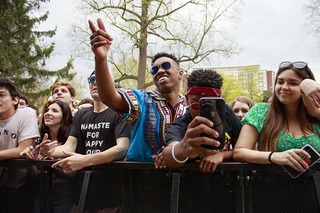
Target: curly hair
{"x": 163, "y": 54}
{"x": 11, "y": 87}
{"x": 205, "y": 77}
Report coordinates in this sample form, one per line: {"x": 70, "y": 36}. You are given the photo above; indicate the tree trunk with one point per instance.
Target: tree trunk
{"x": 143, "y": 43}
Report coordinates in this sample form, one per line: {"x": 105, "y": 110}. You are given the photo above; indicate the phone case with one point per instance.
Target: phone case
{"x": 310, "y": 161}
{"x": 213, "y": 108}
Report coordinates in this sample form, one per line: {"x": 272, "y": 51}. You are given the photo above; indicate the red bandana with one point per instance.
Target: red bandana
{"x": 204, "y": 91}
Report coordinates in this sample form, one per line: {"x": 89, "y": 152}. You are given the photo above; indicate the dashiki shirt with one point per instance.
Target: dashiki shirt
{"x": 150, "y": 116}
{"x": 257, "y": 116}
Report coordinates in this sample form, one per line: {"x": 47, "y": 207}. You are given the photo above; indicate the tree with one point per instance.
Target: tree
{"x": 23, "y": 54}
{"x": 230, "y": 88}
{"x": 313, "y": 8}
{"x": 142, "y": 28}
{"x": 248, "y": 80}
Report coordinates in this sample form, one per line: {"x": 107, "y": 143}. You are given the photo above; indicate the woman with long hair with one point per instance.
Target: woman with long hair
{"x": 281, "y": 129}
{"x": 55, "y": 125}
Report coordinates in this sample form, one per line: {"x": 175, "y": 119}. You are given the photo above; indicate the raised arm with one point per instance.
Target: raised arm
{"x": 100, "y": 45}
{"x": 310, "y": 90}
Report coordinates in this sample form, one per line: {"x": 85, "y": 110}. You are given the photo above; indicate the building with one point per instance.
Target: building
{"x": 264, "y": 78}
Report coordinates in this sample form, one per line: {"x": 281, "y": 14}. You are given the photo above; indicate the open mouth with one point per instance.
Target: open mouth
{"x": 162, "y": 78}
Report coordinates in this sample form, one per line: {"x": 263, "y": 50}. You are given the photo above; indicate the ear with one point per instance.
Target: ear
{"x": 15, "y": 100}
{"x": 181, "y": 74}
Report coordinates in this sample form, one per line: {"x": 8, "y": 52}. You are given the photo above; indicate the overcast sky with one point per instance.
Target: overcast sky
{"x": 268, "y": 32}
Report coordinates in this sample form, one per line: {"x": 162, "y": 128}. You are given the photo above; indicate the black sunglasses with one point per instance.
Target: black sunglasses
{"x": 165, "y": 65}
{"x": 91, "y": 79}
{"x": 298, "y": 65}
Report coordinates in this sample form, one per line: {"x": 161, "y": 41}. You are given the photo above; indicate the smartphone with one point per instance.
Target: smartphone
{"x": 310, "y": 161}
{"x": 214, "y": 109}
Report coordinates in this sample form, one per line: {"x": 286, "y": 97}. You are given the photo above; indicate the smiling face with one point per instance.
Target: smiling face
{"x": 53, "y": 115}
{"x": 287, "y": 88}
{"x": 62, "y": 93}
{"x": 167, "y": 81}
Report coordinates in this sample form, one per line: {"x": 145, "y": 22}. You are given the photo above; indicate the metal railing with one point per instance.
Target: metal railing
{"x": 242, "y": 187}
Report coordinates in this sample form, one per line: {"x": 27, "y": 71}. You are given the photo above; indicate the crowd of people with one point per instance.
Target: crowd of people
{"x": 160, "y": 126}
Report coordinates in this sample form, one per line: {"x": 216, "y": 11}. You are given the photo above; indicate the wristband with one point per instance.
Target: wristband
{"x": 269, "y": 158}
{"x": 174, "y": 157}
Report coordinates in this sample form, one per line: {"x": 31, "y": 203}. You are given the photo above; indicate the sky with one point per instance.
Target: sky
{"x": 268, "y": 32}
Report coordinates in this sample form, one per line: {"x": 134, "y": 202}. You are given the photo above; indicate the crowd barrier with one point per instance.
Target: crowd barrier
{"x": 240, "y": 189}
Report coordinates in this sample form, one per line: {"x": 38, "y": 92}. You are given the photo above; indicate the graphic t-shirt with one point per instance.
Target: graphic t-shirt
{"x": 97, "y": 132}
{"x": 19, "y": 127}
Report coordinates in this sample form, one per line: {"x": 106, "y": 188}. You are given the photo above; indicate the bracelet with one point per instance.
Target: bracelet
{"x": 269, "y": 158}
{"x": 174, "y": 157}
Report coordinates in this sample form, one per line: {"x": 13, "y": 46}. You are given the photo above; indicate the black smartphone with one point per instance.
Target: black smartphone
{"x": 214, "y": 109}
{"x": 310, "y": 161}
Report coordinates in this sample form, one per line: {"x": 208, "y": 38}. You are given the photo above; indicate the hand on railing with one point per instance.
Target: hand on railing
{"x": 33, "y": 153}
{"x": 208, "y": 164}
{"x": 159, "y": 161}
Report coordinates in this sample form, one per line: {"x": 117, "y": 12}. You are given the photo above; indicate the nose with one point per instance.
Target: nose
{"x": 161, "y": 70}
{"x": 240, "y": 114}
{"x": 285, "y": 86}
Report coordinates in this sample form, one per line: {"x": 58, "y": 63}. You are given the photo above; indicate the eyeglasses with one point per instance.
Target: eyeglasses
{"x": 91, "y": 79}
{"x": 195, "y": 106}
{"x": 165, "y": 65}
{"x": 298, "y": 65}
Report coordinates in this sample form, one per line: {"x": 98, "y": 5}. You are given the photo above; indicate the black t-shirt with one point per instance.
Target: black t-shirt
{"x": 97, "y": 132}
{"x": 179, "y": 127}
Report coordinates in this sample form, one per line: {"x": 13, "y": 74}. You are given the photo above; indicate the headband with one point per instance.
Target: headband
{"x": 204, "y": 91}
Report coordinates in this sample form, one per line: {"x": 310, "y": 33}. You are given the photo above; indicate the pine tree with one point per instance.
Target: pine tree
{"x": 22, "y": 55}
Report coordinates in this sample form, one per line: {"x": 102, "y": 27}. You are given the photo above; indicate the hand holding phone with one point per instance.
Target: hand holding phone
{"x": 310, "y": 161}
{"x": 213, "y": 108}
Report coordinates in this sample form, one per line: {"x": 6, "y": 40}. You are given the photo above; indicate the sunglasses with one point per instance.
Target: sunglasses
{"x": 165, "y": 65}
{"x": 91, "y": 79}
{"x": 298, "y": 65}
